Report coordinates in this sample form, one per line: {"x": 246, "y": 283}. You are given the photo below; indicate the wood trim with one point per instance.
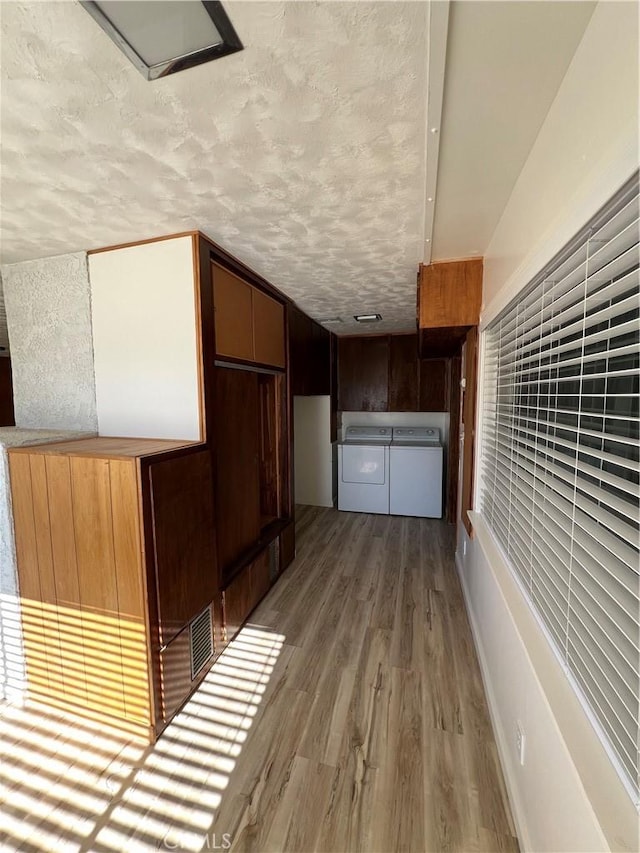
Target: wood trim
{"x": 453, "y": 456}
{"x": 145, "y": 544}
{"x": 198, "y": 307}
{"x": 65, "y": 448}
{"x": 208, "y": 337}
{"x": 142, "y": 242}
{"x": 469, "y": 420}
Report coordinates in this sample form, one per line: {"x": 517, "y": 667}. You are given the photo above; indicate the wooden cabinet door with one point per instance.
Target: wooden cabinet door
{"x": 237, "y": 455}
{"x": 403, "y": 373}
{"x": 268, "y": 330}
{"x": 451, "y": 294}
{"x": 233, "y": 305}
{"x": 434, "y": 385}
{"x": 245, "y": 591}
{"x": 319, "y": 366}
{"x": 181, "y": 492}
{"x": 363, "y": 374}
{"x": 299, "y": 338}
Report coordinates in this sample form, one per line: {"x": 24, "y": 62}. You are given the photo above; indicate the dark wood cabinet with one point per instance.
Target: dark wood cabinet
{"x": 403, "y": 374}
{"x": 181, "y": 492}
{"x": 310, "y": 355}
{"x": 434, "y": 385}
{"x": 233, "y": 315}
{"x": 244, "y": 593}
{"x": 363, "y": 374}
{"x": 299, "y": 337}
{"x": 249, "y": 324}
{"x": 6, "y": 392}
{"x": 237, "y": 457}
{"x": 449, "y": 300}
{"x": 384, "y": 374}
{"x": 268, "y": 330}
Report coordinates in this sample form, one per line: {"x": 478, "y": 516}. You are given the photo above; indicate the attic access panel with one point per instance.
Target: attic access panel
{"x": 162, "y": 37}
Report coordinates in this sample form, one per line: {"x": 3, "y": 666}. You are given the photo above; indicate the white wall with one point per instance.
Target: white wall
{"x": 49, "y": 320}
{"x": 145, "y": 340}
{"x": 586, "y": 149}
{"x": 313, "y": 455}
{"x": 566, "y": 797}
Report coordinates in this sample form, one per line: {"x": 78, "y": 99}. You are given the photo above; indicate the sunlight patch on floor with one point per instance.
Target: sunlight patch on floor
{"x": 68, "y": 785}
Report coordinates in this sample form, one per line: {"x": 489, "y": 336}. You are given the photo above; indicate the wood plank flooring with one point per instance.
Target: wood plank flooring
{"x": 348, "y": 715}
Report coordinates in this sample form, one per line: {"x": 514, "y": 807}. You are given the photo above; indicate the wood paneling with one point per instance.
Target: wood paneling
{"x": 237, "y": 464}
{"x": 79, "y": 538}
{"x": 310, "y": 355}
{"x": 363, "y": 369}
{"x": 233, "y": 301}
{"x": 181, "y": 492}
{"x": 270, "y": 448}
{"x": 33, "y": 611}
{"x": 387, "y": 371}
{"x": 268, "y": 330}
{"x": 98, "y": 584}
{"x": 6, "y": 393}
{"x": 319, "y": 364}
{"x": 403, "y": 373}
{"x": 468, "y": 420}
{"x": 175, "y": 674}
{"x": 450, "y": 294}
{"x": 287, "y": 545}
{"x": 129, "y": 570}
{"x": 434, "y": 385}
{"x": 244, "y": 593}
{"x": 299, "y": 338}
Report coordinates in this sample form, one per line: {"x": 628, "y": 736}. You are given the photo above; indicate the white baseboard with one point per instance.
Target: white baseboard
{"x": 515, "y": 801}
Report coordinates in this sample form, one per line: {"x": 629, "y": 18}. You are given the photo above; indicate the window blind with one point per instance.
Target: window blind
{"x": 560, "y": 483}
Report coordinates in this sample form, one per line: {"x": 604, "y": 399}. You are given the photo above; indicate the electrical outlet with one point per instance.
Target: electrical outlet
{"x": 520, "y": 741}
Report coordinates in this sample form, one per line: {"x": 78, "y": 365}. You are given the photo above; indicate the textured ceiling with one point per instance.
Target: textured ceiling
{"x": 304, "y": 155}
{"x": 505, "y": 63}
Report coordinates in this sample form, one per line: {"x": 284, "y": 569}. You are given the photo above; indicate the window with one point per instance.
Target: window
{"x": 559, "y": 463}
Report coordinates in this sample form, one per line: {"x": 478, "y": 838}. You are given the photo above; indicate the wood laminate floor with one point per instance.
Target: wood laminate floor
{"x": 347, "y": 715}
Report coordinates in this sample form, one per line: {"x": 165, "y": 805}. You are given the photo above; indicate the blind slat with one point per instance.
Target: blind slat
{"x": 560, "y": 461}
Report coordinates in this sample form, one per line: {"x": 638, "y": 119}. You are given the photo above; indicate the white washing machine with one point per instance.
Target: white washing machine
{"x": 363, "y": 470}
{"x": 415, "y": 472}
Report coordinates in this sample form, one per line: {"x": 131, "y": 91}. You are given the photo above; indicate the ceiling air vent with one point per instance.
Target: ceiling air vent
{"x": 201, "y": 636}
{"x": 367, "y": 318}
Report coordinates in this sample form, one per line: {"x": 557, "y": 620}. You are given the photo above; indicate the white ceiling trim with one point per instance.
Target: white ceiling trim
{"x": 437, "y": 40}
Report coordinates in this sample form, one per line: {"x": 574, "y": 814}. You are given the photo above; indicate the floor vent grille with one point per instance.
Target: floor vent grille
{"x": 201, "y": 641}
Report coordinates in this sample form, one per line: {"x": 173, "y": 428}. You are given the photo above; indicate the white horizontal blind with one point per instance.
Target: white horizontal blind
{"x": 560, "y": 472}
